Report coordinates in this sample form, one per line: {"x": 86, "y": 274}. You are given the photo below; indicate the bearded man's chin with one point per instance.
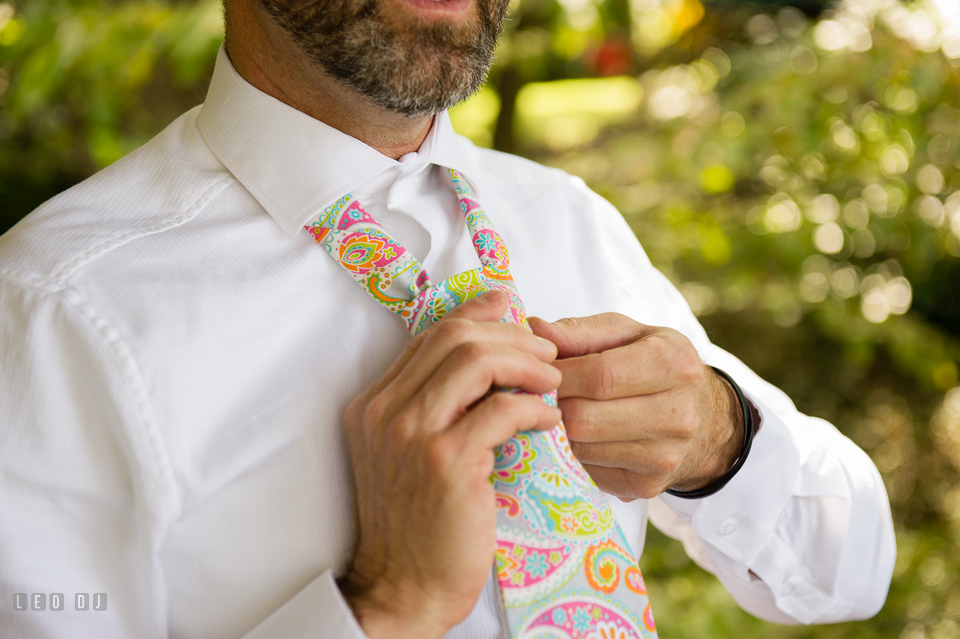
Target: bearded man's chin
{"x": 414, "y": 68}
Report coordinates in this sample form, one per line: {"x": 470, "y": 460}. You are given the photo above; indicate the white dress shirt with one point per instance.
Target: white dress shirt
{"x": 177, "y": 354}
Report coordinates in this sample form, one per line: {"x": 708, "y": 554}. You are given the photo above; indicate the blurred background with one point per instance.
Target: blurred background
{"x": 791, "y": 166}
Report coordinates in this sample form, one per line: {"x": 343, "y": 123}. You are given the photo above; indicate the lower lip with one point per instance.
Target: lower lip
{"x": 444, "y": 7}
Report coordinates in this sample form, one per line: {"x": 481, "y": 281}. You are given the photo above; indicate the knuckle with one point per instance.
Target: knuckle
{"x": 453, "y": 329}
{"x": 656, "y": 346}
{"x": 687, "y": 421}
{"x": 605, "y": 378}
{"x": 514, "y": 328}
{"x": 500, "y": 401}
{"x": 504, "y": 404}
{"x": 576, "y": 448}
{"x": 689, "y": 367}
{"x": 438, "y": 455}
{"x": 572, "y": 322}
{"x": 473, "y": 351}
{"x": 374, "y": 411}
{"x": 578, "y": 416}
{"x": 416, "y": 342}
{"x": 647, "y": 491}
{"x": 668, "y": 463}
{"x": 520, "y": 333}
{"x": 402, "y": 429}
{"x": 638, "y": 486}
{"x": 448, "y": 332}
{"x": 577, "y": 329}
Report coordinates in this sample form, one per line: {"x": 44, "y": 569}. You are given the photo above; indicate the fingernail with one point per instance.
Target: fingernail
{"x": 557, "y": 375}
{"x": 493, "y": 298}
{"x": 547, "y": 345}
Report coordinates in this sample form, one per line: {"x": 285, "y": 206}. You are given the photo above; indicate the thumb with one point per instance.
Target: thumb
{"x": 579, "y": 336}
{"x": 488, "y": 307}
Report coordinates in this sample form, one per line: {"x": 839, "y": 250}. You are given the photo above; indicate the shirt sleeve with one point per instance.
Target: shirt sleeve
{"x": 803, "y": 533}
{"x": 318, "y": 611}
{"x": 87, "y": 492}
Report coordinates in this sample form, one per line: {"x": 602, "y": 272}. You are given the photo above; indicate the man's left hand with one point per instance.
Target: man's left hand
{"x": 642, "y": 412}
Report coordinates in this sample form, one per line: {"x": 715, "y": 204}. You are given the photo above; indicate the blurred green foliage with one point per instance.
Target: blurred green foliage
{"x": 795, "y": 176}
{"x": 82, "y": 83}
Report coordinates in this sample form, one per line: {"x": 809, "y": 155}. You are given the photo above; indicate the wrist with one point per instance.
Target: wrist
{"x": 731, "y": 430}
{"x": 385, "y": 613}
{"x": 746, "y": 424}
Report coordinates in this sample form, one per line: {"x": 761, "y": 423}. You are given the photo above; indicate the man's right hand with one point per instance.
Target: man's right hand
{"x": 421, "y": 440}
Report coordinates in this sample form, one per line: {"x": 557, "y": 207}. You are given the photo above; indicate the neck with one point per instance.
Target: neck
{"x": 266, "y": 58}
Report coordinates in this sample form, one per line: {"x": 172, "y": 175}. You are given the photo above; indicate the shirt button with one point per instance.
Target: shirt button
{"x": 728, "y": 528}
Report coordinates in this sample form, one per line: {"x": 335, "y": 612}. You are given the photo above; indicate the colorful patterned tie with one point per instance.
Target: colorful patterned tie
{"x": 561, "y": 558}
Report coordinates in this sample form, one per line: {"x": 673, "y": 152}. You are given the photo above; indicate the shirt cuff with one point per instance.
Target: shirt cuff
{"x": 740, "y": 521}
{"x": 319, "y": 611}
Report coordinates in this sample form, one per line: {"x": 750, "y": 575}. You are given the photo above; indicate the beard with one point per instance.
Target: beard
{"x": 408, "y": 68}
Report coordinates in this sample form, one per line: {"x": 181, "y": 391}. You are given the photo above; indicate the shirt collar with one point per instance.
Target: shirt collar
{"x": 295, "y": 165}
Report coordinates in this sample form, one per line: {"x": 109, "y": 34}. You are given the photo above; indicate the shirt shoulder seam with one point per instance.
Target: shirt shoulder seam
{"x": 130, "y": 371}
{"x": 165, "y": 483}
{"x": 60, "y": 276}
{"x": 31, "y": 279}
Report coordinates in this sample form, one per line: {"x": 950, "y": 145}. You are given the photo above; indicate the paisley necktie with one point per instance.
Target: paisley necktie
{"x": 561, "y": 558}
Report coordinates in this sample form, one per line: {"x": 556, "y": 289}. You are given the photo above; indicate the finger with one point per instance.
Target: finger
{"x": 468, "y": 374}
{"x": 502, "y": 415}
{"x": 661, "y": 360}
{"x": 578, "y": 336}
{"x": 624, "y": 484}
{"x": 487, "y": 307}
{"x": 446, "y": 339}
{"x": 490, "y": 308}
{"x": 474, "y": 320}
{"x": 664, "y": 415}
{"x": 655, "y": 459}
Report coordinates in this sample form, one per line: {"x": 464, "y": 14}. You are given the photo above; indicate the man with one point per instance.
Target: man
{"x": 206, "y": 422}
